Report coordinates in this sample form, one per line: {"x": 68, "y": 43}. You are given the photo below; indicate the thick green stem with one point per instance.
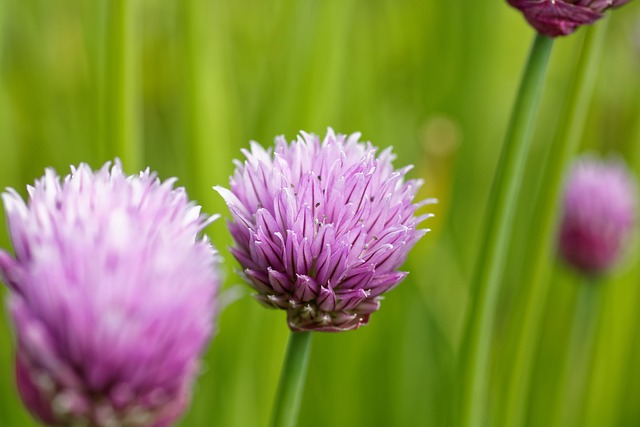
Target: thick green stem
{"x": 119, "y": 125}
{"x": 485, "y": 285}
{"x": 294, "y": 372}
{"x": 536, "y": 278}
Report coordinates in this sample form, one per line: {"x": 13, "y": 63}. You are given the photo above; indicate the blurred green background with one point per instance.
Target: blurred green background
{"x": 434, "y": 79}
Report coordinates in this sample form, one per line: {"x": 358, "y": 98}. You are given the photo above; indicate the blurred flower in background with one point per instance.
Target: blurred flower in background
{"x": 562, "y": 17}
{"x": 599, "y": 213}
{"x": 321, "y": 227}
{"x": 112, "y": 297}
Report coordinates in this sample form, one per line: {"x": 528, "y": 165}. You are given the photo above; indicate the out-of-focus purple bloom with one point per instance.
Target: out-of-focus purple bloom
{"x": 562, "y": 17}
{"x": 112, "y": 297}
{"x": 321, "y": 227}
{"x": 599, "y": 213}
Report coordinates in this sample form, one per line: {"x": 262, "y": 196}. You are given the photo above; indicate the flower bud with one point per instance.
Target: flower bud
{"x": 562, "y": 17}
{"x": 599, "y": 213}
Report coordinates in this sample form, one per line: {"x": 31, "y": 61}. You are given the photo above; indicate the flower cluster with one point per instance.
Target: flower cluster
{"x": 321, "y": 227}
{"x": 599, "y": 212}
{"x": 562, "y": 17}
{"x": 112, "y": 297}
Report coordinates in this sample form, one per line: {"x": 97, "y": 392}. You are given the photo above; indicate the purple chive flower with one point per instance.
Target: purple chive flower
{"x": 112, "y": 297}
{"x": 599, "y": 212}
{"x": 321, "y": 227}
{"x": 562, "y": 17}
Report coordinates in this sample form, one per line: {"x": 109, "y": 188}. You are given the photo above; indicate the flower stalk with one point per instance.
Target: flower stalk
{"x": 485, "y": 285}
{"x": 536, "y": 283}
{"x": 574, "y": 378}
{"x": 292, "y": 378}
{"x": 119, "y": 126}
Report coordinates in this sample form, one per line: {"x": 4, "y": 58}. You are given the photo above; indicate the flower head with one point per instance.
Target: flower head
{"x": 321, "y": 227}
{"x": 112, "y": 297}
{"x": 562, "y": 17}
{"x": 599, "y": 212}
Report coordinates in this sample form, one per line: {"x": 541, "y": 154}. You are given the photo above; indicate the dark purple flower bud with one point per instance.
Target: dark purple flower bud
{"x": 599, "y": 213}
{"x": 321, "y": 227}
{"x": 562, "y": 17}
{"x": 112, "y": 297}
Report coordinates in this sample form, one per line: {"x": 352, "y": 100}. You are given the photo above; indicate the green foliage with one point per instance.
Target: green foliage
{"x": 435, "y": 79}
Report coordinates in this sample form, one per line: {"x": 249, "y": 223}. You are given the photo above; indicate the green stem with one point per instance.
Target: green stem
{"x": 118, "y": 80}
{"x": 629, "y": 361}
{"x": 491, "y": 256}
{"x": 209, "y": 108}
{"x": 571, "y": 389}
{"x": 635, "y": 135}
{"x": 536, "y": 278}
{"x": 294, "y": 371}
